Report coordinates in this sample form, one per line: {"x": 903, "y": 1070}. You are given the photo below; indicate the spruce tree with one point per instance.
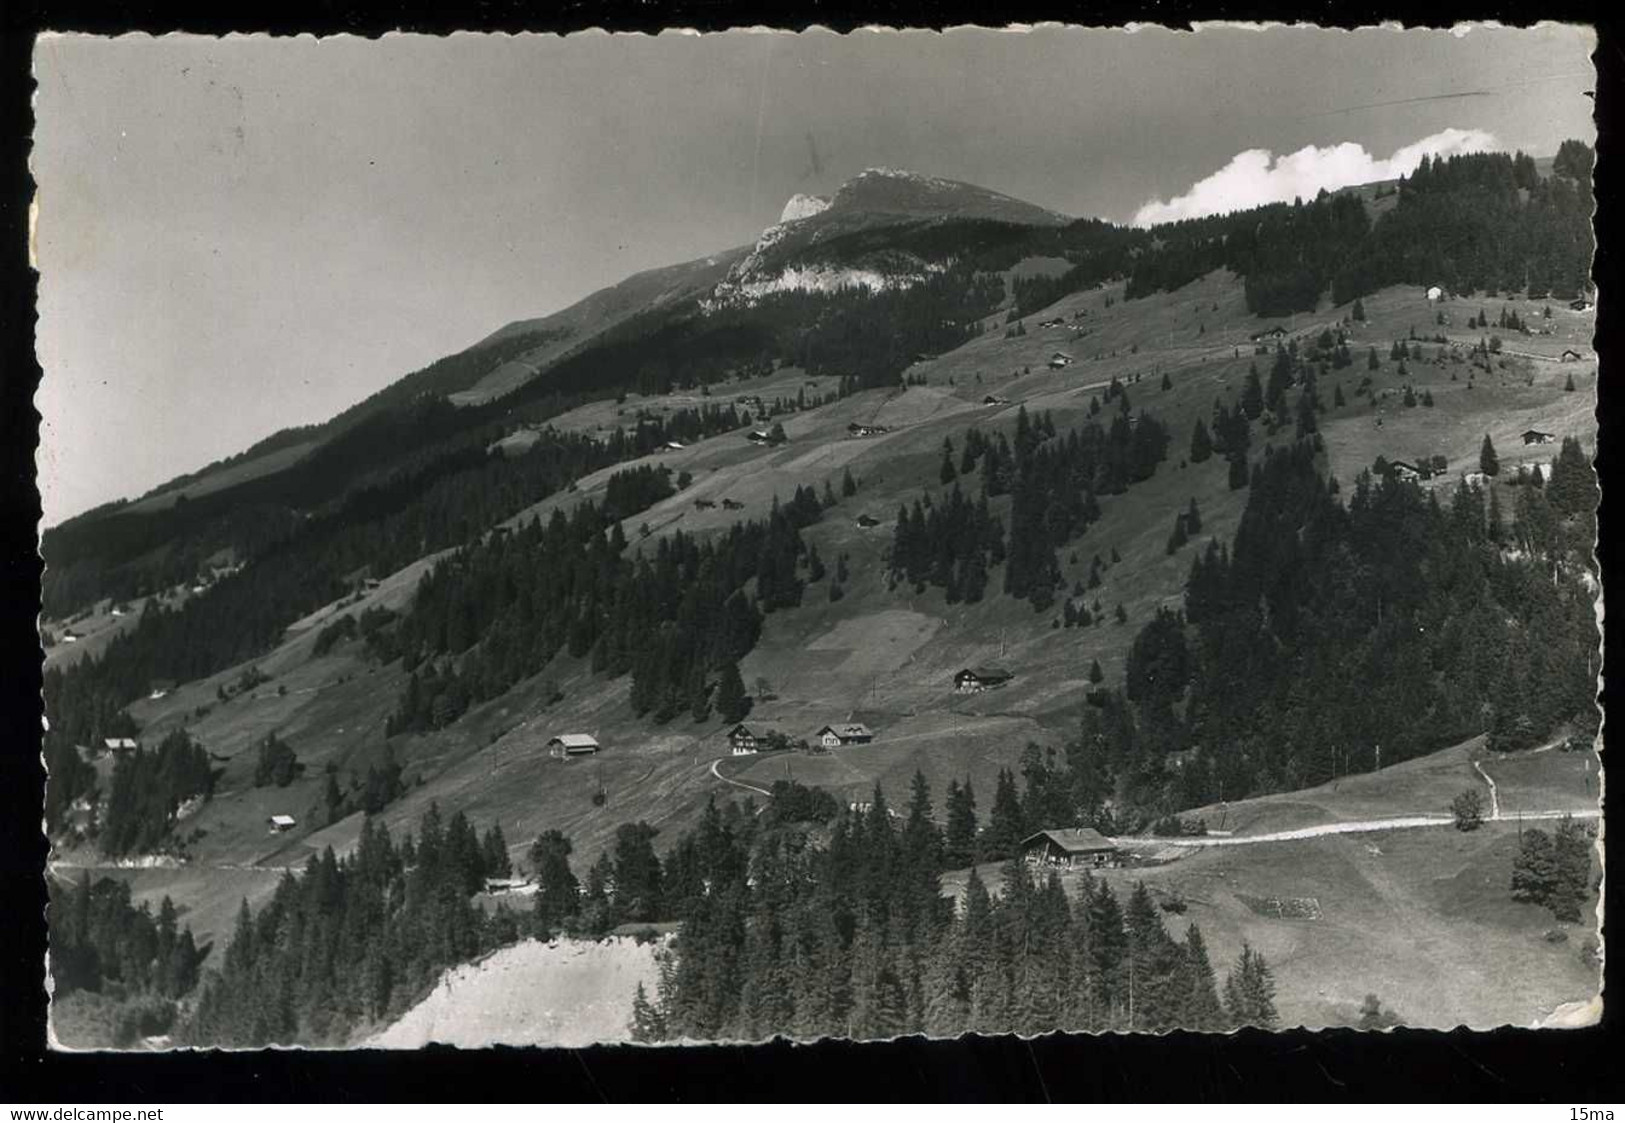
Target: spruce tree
{"x": 647, "y": 1022}
{"x": 733, "y": 703}
{"x": 1200, "y": 1009}
{"x": 1005, "y": 828}
{"x": 961, "y": 828}
{"x": 1201, "y": 443}
{"x": 557, "y": 892}
{"x": 1488, "y": 462}
{"x": 1249, "y": 991}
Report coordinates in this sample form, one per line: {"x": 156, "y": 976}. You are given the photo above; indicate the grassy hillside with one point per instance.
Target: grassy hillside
{"x": 882, "y": 657}
{"x": 1422, "y": 917}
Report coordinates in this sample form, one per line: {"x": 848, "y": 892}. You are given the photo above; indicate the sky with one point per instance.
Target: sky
{"x": 238, "y": 235}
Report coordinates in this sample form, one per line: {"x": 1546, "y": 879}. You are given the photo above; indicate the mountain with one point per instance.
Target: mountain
{"x": 669, "y": 288}
{"x": 1180, "y": 490}
{"x": 872, "y": 233}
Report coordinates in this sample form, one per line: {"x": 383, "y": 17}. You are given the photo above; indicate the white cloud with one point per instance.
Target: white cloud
{"x": 1257, "y": 176}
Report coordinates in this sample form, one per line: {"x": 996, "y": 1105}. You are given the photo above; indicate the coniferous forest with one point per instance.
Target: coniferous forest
{"x": 805, "y": 919}
{"x": 1327, "y": 632}
{"x": 1347, "y": 625}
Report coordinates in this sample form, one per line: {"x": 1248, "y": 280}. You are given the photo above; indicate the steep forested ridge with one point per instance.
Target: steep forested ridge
{"x": 409, "y": 474}
{"x": 675, "y": 616}
{"x": 1327, "y": 632}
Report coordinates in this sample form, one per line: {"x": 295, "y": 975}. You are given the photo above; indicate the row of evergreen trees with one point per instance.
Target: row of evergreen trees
{"x": 1052, "y": 481}
{"x": 378, "y": 527}
{"x": 854, "y": 939}
{"x": 148, "y": 788}
{"x": 1479, "y": 222}
{"x": 101, "y": 942}
{"x": 1484, "y": 221}
{"x": 677, "y": 617}
{"x": 352, "y": 941}
{"x": 1325, "y": 635}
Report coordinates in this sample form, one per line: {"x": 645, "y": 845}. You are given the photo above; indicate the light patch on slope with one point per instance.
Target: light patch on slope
{"x": 803, "y": 206}
{"x": 826, "y": 279}
{"x": 565, "y": 992}
{"x": 1257, "y": 176}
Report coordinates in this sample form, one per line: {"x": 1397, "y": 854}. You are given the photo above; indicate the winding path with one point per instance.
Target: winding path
{"x": 1495, "y": 800}
{"x": 737, "y": 783}
{"x": 1363, "y": 826}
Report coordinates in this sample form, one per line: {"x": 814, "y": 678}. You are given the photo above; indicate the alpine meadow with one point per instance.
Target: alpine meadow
{"x": 938, "y": 615}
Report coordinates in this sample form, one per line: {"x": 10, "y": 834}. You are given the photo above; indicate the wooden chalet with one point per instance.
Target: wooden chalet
{"x": 847, "y": 733}
{"x": 1536, "y": 437}
{"x": 572, "y": 744}
{"x": 741, "y": 741}
{"x": 1276, "y": 332}
{"x": 119, "y": 744}
{"x": 867, "y": 521}
{"x": 1570, "y": 355}
{"x": 281, "y": 823}
{"x": 974, "y": 680}
{"x": 1072, "y": 848}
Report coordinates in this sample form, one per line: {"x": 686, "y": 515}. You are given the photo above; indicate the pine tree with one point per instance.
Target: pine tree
{"x": 1572, "y": 857}
{"x": 849, "y": 486}
{"x": 1359, "y": 310}
{"x": 961, "y": 829}
{"x": 557, "y": 891}
{"x": 1249, "y": 991}
{"x": 1005, "y": 828}
{"x": 1252, "y": 395}
{"x": 1488, "y": 462}
{"x": 494, "y": 849}
{"x": 648, "y": 1024}
{"x": 1200, "y": 1009}
{"x": 1497, "y": 531}
{"x": 733, "y": 703}
{"x": 1238, "y": 471}
{"x": 1201, "y": 443}
{"x": 1096, "y": 675}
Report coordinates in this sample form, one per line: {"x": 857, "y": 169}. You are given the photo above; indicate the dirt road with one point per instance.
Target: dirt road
{"x": 737, "y": 783}
{"x": 1365, "y": 826}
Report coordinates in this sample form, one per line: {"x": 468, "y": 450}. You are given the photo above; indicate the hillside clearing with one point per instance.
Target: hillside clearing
{"x": 562, "y": 993}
